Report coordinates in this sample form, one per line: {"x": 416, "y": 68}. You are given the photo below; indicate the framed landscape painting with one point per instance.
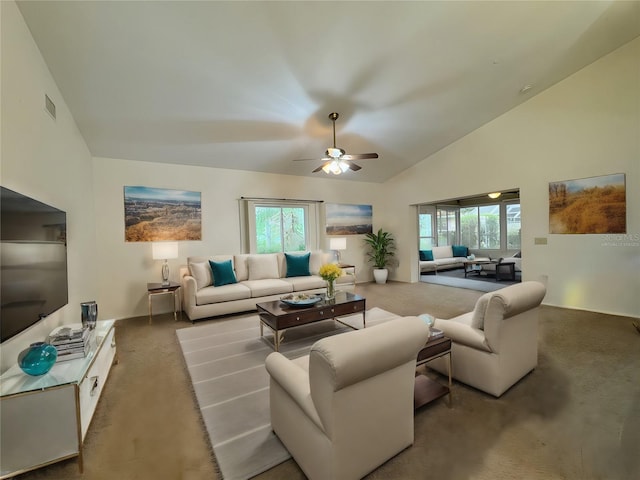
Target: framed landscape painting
{"x": 156, "y": 214}
{"x": 344, "y": 219}
{"x": 588, "y": 205}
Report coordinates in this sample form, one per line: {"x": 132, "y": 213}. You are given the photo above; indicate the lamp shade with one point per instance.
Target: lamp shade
{"x": 339, "y": 243}
{"x": 164, "y": 250}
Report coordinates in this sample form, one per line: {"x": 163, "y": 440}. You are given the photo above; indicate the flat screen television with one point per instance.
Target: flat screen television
{"x": 33, "y": 262}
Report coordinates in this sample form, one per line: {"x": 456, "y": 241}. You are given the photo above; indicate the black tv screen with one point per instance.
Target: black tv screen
{"x": 33, "y": 262}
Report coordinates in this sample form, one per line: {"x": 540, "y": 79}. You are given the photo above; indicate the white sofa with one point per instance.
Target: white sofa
{"x": 347, "y": 407}
{"x": 516, "y": 259}
{"x": 443, "y": 259}
{"x": 260, "y": 278}
{"x": 496, "y": 344}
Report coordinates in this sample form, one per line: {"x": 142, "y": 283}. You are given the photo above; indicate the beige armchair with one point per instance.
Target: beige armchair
{"x": 347, "y": 407}
{"x": 496, "y": 344}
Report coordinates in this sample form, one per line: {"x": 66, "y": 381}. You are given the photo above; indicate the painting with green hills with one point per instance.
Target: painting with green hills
{"x": 588, "y": 205}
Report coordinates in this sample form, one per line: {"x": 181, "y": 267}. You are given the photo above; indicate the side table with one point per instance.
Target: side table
{"x": 351, "y": 268}
{"x": 154, "y": 289}
{"x": 506, "y": 271}
{"x": 427, "y": 390}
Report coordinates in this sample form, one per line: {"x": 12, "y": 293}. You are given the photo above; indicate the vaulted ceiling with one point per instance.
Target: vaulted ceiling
{"x": 250, "y": 85}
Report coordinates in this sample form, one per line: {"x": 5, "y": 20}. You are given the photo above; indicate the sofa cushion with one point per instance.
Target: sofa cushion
{"x": 442, "y": 252}
{"x": 201, "y": 271}
{"x": 241, "y": 267}
{"x": 316, "y": 260}
{"x": 459, "y": 250}
{"x": 226, "y": 293}
{"x": 426, "y": 255}
{"x": 306, "y": 283}
{"x": 263, "y": 266}
{"x": 297, "y": 265}
{"x": 222, "y": 273}
{"x": 268, "y": 286}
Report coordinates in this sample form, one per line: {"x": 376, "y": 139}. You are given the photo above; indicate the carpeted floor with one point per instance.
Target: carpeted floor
{"x": 226, "y": 360}
{"x": 455, "y": 278}
{"x": 576, "y": 416}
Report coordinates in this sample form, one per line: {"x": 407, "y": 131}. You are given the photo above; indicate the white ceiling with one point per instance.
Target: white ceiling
{"x": 250, "y": 85}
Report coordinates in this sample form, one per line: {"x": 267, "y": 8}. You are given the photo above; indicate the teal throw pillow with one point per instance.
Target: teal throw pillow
{"x": 426, "y": 255}
{"x": 223, "y": 273}
{"x": 298, "y": 265}
{"x": 459, "y": 250}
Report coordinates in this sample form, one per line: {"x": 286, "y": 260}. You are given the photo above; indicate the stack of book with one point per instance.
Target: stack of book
{"x": 71, "y": 341}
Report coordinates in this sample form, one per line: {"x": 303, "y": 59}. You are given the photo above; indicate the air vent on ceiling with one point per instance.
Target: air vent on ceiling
{"x": 49, "y": 106}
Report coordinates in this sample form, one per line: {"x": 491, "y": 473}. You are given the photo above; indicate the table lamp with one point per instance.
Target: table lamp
{"x": 337, "y": 244}
{"x": 165, "y": 251}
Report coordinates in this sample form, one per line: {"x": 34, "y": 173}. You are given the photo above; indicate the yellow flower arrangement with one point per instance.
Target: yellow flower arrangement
{"x": 330, "y": 271}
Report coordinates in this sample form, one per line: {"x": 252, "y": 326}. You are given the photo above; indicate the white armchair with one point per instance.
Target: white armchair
{"x": 496, "y": 344}
{"x": 347, "y": 407}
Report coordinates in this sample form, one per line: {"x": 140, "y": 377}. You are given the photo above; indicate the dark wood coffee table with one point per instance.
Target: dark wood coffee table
{"x": 278, "y": 316}
{"x": 475, "y": 266}
{"x": 427, "y": 390}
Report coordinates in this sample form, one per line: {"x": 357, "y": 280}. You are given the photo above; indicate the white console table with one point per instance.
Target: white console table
{"x": 45, "y": 418}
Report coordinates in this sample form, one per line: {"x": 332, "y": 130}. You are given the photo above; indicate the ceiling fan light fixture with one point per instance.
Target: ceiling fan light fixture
{"x": 334, "y": 152}
{"x": 335, "y": 168}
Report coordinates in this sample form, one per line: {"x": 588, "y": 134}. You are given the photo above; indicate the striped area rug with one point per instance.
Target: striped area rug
{"x": 225, "y": 360}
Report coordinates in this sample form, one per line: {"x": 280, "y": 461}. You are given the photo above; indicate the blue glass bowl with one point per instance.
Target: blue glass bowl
{"x": 37, "y": 359}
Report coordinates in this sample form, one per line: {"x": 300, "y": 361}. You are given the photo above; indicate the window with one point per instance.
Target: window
{"x": 480, "y": 227}
{"x": 489, "y": 227}
{"x": 425, "y": 227}
{"x": 447, "y": 225}
{"x": 514, "y": 228}
{"x": 279, "y": 226}
{"x": 476, "y": 222}
{"x": 469, "y": 227}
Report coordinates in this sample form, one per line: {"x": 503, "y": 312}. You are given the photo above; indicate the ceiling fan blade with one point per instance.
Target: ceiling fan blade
{"x": 354, "y": 167}
{"x": 323, "y": 159}
{"x": 359, "y": 156}
{"x": 319, "y": 168}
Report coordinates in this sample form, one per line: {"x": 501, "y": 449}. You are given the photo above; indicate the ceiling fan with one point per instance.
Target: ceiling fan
{"x": 336, "y": 160}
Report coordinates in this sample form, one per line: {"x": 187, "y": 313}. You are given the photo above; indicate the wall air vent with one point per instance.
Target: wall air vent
{"x": 49, "y": 106}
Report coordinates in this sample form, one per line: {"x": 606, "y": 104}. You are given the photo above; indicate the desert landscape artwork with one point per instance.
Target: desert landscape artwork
{"x": 344, "y": 219}
{"x": 588, "y": 205}
{"x": 154, "y": 214}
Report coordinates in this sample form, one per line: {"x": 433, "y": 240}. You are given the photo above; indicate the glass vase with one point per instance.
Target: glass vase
{"x": 37, "y": 359}
{"x": 331, "y": 289}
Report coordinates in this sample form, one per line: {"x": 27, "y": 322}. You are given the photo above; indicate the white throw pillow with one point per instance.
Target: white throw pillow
{"x": 263, "y": 266}
{"x": 202, "y": 273}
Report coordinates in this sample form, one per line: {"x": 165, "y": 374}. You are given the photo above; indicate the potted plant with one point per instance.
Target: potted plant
{"x": 381, "y": 249}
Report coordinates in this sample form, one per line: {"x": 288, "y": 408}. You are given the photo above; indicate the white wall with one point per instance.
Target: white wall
{"x": 586, "y": 125}
{"x": 48, "y": 160}
{"x": 126, "y": 267}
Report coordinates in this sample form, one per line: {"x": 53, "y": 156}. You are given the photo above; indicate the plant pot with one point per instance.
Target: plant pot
{"x": 380, "y": 274}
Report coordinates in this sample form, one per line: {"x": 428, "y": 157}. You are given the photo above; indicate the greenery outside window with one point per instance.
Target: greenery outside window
{"x": 514, "y": 227}
{"x": 279, "y": 226}
{"x": 425, "y": 228}
{"x": 473, "y": 222}
{"x": 447, "y": 221}
{"x": 280, "y": 229}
